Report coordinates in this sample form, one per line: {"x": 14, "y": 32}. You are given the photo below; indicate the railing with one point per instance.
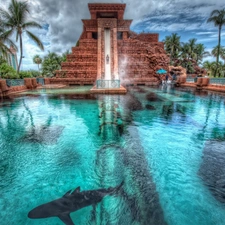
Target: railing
{"x": 41, "y": 81}
{"x": 14, "y": 82}
{"x": 190, "y": 80}
{"x": 108, "y": 84}
{"x": 218, "y": 81}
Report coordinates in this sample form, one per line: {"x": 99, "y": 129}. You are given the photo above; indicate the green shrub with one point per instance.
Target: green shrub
{"x": 7, "y": 72}
{"x": 25, "y": 74}
{"x": 35, "y": 73}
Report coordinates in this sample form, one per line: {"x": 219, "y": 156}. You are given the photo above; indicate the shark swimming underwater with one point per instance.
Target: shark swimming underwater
{"x": 70, "y": 202}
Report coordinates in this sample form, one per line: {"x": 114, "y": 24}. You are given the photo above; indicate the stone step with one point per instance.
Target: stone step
{"x": 76, "y": 74}
{"x": 79, "y": 50}
{"x": 132, "y": 51}
{"x": 88, "y": 44}
{"x": 79, "y": 67}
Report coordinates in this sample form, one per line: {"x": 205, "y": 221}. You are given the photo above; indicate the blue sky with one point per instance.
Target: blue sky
{"x": 62, "y": 26}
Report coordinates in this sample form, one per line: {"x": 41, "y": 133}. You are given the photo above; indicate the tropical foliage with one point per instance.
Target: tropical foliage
{"x": 172, "y": 46}
{"x": 15, "y": 21}
{"x": 25, "y": 74}
{"x": 51, "y": 63}
{"x": 35, "y": 73}
{"x": 218, "y": 18}
{"x": 214, "y": 68}
{"x": 188, "y": 55}
{"x": 37, "y": 60}
{"x": 4, "y": 41}
{"x": 7, "y": 72}
{"x": 219, "y": 51}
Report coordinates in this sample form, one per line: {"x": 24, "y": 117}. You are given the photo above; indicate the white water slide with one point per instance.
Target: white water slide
{"x": 107, "y": 55}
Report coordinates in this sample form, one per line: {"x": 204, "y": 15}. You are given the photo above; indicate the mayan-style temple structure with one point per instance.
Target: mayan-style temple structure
{"x": 110, "y": 54}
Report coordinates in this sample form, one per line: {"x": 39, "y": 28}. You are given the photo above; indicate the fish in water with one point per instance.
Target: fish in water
{"x": 70, "y": 202}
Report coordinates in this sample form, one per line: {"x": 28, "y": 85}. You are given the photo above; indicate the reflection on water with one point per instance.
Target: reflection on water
{"x": 152, "y": 139}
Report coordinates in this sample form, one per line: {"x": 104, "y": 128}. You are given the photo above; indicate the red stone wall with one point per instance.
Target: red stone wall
{"x": 81, "y": 63}
{"x": 139, "y": 60}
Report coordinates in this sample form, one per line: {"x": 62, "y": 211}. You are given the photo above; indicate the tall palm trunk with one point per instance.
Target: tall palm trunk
{"x": 219, "y": 40}
{"x": 21, "y": 52}
{"x": 218, "y": 51}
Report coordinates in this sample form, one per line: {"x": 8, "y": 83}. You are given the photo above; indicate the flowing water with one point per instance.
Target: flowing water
{"x": 155, "y": 140}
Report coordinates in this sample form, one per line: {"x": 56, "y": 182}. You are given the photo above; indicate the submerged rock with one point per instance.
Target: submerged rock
{"x": 133, "y": 103}
{"x": 150, "y": 107}
{"x": 44, "y": 134}
{"x": 152, "y": 97}
{"x": 212, "y": 169}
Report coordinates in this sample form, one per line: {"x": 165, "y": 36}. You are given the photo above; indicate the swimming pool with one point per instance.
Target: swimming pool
{"x": 160, "y": 142}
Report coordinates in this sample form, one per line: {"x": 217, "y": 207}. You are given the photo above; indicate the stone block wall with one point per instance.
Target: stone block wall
{"x": 81, "y": 63}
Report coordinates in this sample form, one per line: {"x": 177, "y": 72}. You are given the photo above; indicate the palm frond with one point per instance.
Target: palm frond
{"x": 35, "y": 39}
{"x": 215, "y": 12}
{"x": 4, "y": 49}
{"x": 6, "y": 34}
{"x": 4, "y": 15}
{"x": 31, "y": 24}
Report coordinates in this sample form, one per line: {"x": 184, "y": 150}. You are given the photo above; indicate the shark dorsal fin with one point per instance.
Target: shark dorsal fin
{"x": 67, "y": 193}
{"x": 77, "y": 190}
{"x": 66, "y": 219}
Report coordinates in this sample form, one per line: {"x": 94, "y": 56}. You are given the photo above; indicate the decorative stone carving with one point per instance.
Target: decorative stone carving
{"x": 107, "y": 23}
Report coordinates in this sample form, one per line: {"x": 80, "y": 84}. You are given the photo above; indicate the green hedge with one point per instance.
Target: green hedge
{"x": 25, "y": 74}
{"x": 7, "y": 72}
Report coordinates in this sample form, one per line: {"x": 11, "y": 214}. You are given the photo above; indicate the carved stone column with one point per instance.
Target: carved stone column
{"x": 115, "y": 54}
{"x": 99, "y": 66}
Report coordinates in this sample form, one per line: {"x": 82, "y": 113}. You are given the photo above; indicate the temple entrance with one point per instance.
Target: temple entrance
{"x": 107, "y": 55}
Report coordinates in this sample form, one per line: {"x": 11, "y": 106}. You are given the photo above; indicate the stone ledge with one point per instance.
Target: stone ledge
{"x": 219, "y": 88}
{"x": 120, "y": 90}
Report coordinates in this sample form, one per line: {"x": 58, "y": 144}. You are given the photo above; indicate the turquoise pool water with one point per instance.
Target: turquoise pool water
{"x": 155, "y": 140}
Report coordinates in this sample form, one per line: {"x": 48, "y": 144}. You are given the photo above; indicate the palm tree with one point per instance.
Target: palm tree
{"x": 37, "y": 60}
{"x": 64, "y": 55}
{"x": 208, "y": 66}
{"x": 218, "y": 18}
{"x": 51, "y": 63}
{"x": 4, "y": 40}
{"x": 221, "y": 52}
{"x": 217, "y": 69}
{"x": 15, "y": 20}
{"x": 192, "y": 47}
{"x": 200, "y": 52}
{"x": 172, "y": 46}
{"x": 188, "y": 50}
{"x": 184, "y": 55}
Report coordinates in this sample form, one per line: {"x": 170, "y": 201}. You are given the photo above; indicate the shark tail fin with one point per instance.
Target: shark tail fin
{"x": 66, "y": 219}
